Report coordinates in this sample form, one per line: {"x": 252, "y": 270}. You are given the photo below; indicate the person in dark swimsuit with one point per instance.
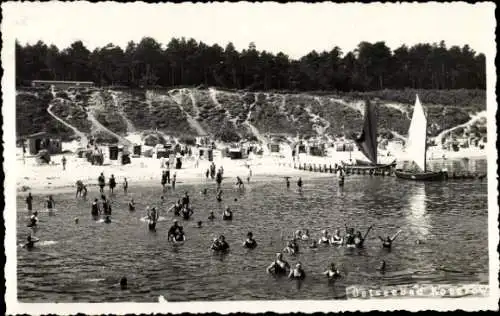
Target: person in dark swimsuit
{"x": 131, "y": 205}
{"x": 297, "y": 273}
{"x": 94, "y": 209}
{"x": 299, "y": 184}
{"x": 218, "y": 179}
{"x": 31, "y": 242}
{"x": 102, "y": 182}
{"x": 227, "y": 215}
{"x": 292, "y": 247}
{"x": 85, "y": 191}
{"x": 359, "y": 239}
{"x": 220, "y": 244}
{"x": 33, "y": 220}
{"x": 185, "y": 200}
{"x": 112, "y": 184}
{"x": 211, "y": 216}
{"x": 50, "y": 204}
{"x": 239, "y": 183}
{"x": 250, "y": 243}
{"x": 164, "y": 180}
{"x": 179, "y": 236}
{"x": 29, "y": 202}
{"x": 219, "y": 196}
{"x": 152, "y": 219}
{"x": 287, "y": 180}
{"x": 332, "y": 273}
{"x": 279, "y": 266}
{"x": 387, "y": 243}
{"x": 187, "y": 212}
{"x": 349, "y": 237}
{"x": 174, "y": 230}
{"x": 200, "y": 223}
{"x": 125, "y": 185}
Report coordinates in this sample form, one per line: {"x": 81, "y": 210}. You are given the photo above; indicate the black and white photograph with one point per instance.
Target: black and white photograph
{"x": 249, "y": 157}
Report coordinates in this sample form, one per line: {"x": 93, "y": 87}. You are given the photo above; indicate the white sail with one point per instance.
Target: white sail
{"x": 417, "y": 136}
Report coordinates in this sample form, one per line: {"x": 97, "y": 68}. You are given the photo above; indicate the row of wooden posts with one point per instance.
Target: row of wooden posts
{"x": 389, "y": 171}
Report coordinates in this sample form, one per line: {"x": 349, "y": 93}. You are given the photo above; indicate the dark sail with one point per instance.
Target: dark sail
{"x": 367, "y": 141}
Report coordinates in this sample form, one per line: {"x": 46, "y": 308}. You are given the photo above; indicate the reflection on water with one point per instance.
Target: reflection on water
{"x": 416, "y": 215}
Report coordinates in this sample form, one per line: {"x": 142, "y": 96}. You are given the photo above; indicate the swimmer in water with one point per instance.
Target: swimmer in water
{"x": 94, "y": 209}
{"x": 131, "y": 205}
{"x": 199, "y": 224}
{"x": 324, "y": 238}
{"x": 176, "y": 208}
{"x": 292, "y": 247}
{"x": 349, "y": 237}
{"x": 298, "y": 234}
{"x": 305, "y": 235}
{"x": 211, "y": 216}
{"x": 33, "y": 220}
{"x": 250, "y": 243}
{"x": 173, "y": 231}
{"x": 204, "y": 191}
{"x": 187, "y": 212}
{"x": 279, "y": 266}
{"x": 332, "y": 273}
{"x": 387, "y": 243}
{"x": 50, "y": 204}
{"x": 123, "y": 283}
{"x": 107, "y": 219}
{"x": 314, "y": 244}
{"x": 31, "y": 242}
{"x": 297, "y": 273}
{"x": 336, "y": 239}
{"x": 220, "y": 244}
{"x": 359, "y": 240}
{"x": 227, "y": 215}
{"x": 382, "y": 267}
{"x": 239, "y": 183}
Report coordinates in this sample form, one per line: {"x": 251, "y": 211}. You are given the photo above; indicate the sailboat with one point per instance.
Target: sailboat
{"x": 416, "y": 148}
{"x": 367, "y": 143}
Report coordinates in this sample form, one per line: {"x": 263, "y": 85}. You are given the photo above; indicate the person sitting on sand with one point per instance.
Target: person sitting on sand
{"x": 279, "y": 266}
{"x": 227, "y": 215}
{"x": 297, "y": 273}
{"x": 250, "y": 243}
{"x": 332, "y": 273}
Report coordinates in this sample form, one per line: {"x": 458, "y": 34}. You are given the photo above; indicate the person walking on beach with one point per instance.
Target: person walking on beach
{"x": 218, "y": 179}
{"x": 125, "y": 185}
{"x": 239, "y": 183}
{"x": 102, "y": 182}
{"x": 64, "y": 162}
{"x": 112, "y": 184}
{"x": 50, "y": 203}
{"x": 29, "y": 202}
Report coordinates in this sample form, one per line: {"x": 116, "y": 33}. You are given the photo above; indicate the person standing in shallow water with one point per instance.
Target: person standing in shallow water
{"x": 163, "y": 180}
{"x": 125, "y": 185}
{"x": 102, "y": 182}
{"x": 112, "y": 184}
{"x": 64, "y": 162}
{"x": 299, "y": 184}
{"x": 29, "y": 202}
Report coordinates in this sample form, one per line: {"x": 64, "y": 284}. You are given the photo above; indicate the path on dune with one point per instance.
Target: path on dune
{"x": 254, "y": 129}
{"x": 97, "y": 125}
{"x": 130, "y": 126}
{"x": 83, "y": 139}
{"x": 190, "y": 119}
{"x": 473, "y": 118}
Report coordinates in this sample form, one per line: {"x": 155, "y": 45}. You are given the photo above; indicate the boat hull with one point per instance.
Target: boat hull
{"x": 421, "y": 176}
{"x": 368, "y": 166}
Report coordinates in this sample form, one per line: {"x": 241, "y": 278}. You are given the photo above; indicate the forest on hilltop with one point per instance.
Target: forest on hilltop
{"x": 187, "y": 62}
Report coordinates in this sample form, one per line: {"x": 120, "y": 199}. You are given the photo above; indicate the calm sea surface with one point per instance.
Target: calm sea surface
{"x": 84, "y": 262}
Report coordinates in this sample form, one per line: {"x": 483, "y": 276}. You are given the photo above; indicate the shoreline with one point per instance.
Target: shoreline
{"x": 146, "y": 172}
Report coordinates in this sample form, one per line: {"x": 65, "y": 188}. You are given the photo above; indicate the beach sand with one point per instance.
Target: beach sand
{"x": 145, "y": 171}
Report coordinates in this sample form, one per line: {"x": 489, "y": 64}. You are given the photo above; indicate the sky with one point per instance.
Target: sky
{"x": 294, "y": 29}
